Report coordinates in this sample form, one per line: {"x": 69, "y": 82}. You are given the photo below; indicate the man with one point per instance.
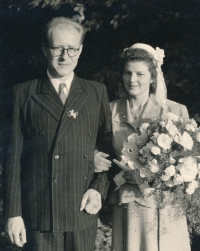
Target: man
{"x": 52, "y": 193}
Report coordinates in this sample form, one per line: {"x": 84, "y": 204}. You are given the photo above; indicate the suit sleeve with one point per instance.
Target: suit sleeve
{"x": 104, "y": 144}
{"x": 12, "y": 172}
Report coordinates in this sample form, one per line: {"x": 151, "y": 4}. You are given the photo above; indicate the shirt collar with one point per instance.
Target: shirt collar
{"x": 56, "y": 81}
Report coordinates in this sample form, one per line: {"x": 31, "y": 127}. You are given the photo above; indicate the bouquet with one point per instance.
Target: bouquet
{"x": 166, "y": 155}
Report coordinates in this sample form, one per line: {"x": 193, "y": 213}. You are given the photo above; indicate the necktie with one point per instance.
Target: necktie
{"x": 61, "y": 93}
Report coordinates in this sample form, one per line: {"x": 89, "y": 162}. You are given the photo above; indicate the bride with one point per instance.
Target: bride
{"x": 137, "y": 224}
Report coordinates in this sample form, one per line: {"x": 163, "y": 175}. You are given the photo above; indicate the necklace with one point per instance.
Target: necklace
{"x": 135, "y": 114}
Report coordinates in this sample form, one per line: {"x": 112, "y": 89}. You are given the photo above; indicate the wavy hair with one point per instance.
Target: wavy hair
{"x": 140, "y": 55}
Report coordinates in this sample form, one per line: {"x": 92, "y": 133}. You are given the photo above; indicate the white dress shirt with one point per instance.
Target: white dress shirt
{"x": 56, "y": 82}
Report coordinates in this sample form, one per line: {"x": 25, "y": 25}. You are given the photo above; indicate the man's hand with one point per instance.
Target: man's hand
{"x": 91, "y": 201}
{"x": 100, "y": 162}
{"x": 16, "y": 230}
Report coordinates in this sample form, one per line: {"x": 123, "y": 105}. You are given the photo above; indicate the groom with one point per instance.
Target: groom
{"x": 52, "y": 194}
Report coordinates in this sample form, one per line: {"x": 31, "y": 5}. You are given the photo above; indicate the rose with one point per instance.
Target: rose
{"x": 170, "y": 183}
{"x": 165, "y": 177}
{"x": 178, "y": 179}
{"x": 153, "y": 166}
{"x": 172, "y": 160}
{"x": 192, "y": 186}
{"x": 145, "y": 173}
{"x": 173, "y": 117}
{"x": 162, "y": 123}
{"x": 198, "y": 136}
{"x": 170, "y": 170}
{"x": 193, "y": 122}
{"x": 164, "y": 141}
{"x": 190, "y": 127}
{"x": 188, "y": 169}
{"x": 155, "y": 150}
{"x": 198, "y": 167}
{"x": 146, "y": 149}
{"x": 144, "y": 126}
{"x": 181, "y": 160}
{"x": 173, "y": 130}
{"x": 184, "y": 140}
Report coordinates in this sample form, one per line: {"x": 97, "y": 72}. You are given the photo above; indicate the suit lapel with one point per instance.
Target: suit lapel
{"x": 76, "y": 99}
{"x": 49, "y": 99}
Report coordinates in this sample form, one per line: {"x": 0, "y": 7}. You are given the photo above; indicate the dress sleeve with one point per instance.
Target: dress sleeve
{"x": 184, "y": 112}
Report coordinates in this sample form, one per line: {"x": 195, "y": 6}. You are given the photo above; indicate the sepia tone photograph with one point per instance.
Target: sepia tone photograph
{"x": 100, "y": 125}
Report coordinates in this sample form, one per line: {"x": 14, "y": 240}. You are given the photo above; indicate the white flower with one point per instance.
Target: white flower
{"x": 72, "y": 113}
{"x": 170, "y": 170}
{"x": 192, "y": 186}
{"x": 165, "y": 177}
{"x": 198, "y": 136}
{"x": 184, "y": 140}
{"x": 148, "y": 191}
{"x": 164, "y": 141}
{"x": 162, "y": 123}
{"x": 190, "y": 127}
{"x": 178, "y": 179}
{"x": 198, "y": 167}
{"x": 145, "y": 173}
{"x": 153, "y": 166}
{"x": 172, "y": 160}
{"x": 181, "y": 160}
{"x": 193, "y": 122}
{"x": 170, "y": 183}
{"x": 173, "y": 130}
{"x": 158, "y": 55}
{"x": 173, "y": 117}
{"x": 144, "y": 126}
{"x": 155, "y": 150}
{"x": 188, "y": 169}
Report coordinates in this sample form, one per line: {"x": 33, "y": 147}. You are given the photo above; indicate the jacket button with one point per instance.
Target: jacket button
{"x": 41, "y": 132}
{"x": 85, "y": 177}
{"x": 85, "y": 155}
{"x": 90, "y": 133}
{"x": 56, "y": 157}
{"x": 55, "y": 179}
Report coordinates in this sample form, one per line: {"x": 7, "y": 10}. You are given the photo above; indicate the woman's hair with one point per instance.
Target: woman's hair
{"x": 140, "y": 55}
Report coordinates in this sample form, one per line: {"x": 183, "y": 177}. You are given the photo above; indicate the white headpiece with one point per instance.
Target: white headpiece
{"x": 158, "y": 55}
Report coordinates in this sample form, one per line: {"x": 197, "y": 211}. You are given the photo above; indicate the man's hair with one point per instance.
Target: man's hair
{"x": 140, "y": 55}
{"x": 62, "y": 22}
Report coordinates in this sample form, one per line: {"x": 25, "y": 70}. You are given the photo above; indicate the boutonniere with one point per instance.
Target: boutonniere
{"x": 72, "y": 113}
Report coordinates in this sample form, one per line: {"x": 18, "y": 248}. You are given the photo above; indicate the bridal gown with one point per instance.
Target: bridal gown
{"x": 137, "y": 224}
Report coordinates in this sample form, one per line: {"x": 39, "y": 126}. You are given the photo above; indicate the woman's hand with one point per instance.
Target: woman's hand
{"x": 100, "y": 162}
{"x": 133, "y": 177}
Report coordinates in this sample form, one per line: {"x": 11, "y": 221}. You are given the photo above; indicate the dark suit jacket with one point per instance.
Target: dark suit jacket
{"x": 50, "y": 160}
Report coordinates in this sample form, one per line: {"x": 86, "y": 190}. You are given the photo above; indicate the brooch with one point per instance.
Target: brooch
{"x": 72, "y": 113}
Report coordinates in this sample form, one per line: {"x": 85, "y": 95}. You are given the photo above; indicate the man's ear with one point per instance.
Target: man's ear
{"x": 44, "y": 49}
{"x": 80, "y": 50}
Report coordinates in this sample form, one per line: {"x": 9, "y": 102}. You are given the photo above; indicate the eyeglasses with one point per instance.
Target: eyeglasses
{"x": 58, "y": 51}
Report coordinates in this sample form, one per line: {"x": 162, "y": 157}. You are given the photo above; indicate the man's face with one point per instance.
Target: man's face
{"x": 63, "y": 65}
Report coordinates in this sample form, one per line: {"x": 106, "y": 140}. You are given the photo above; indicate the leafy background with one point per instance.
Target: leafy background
{"x": 112, "y": 25}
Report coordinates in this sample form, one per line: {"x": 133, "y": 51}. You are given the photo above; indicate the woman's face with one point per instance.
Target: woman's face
{"x": 136, "y": 78}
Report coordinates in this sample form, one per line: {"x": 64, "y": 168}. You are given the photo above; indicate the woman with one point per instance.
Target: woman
{"x": 137, "y": 224}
